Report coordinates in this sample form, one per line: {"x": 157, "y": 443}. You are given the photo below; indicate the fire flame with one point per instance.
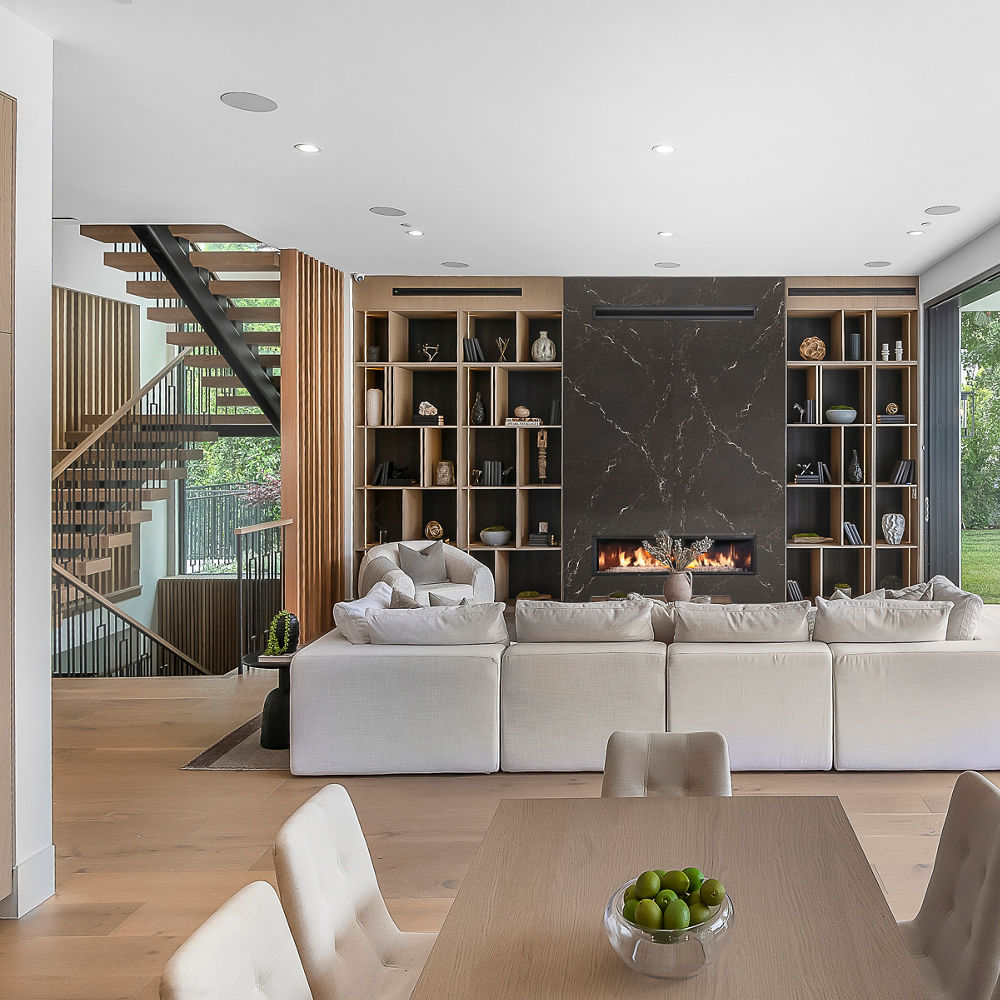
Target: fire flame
{"x": 612, "y": 557}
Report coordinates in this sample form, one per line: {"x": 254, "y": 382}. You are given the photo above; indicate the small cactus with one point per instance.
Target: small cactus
{"x": 282, "y": 635}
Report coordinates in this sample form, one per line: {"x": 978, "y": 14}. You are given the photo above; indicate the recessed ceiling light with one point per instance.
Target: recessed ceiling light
{"x": 453, "y": 263}
{"x": 914, "y": 232}
{"x": 125, "y": 3}
{"x": 924, "y": 225}
{"x": 664, "y": 148}
{"x": 386, "y": 210}
{"x": 878, "y": 263}
{"x": 414, "y": 232}
{"x": 942, "y": 210}
{"x": 243, "y": 100}
{"x": 666, "y": 263}
{"x": 665, "y": 232}
{"x": 307, "y": 147}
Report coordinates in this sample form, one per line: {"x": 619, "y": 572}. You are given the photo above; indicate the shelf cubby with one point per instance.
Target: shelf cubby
{"x": 488, "y": 327}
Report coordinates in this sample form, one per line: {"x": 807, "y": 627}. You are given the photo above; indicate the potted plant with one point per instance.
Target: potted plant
{"x": 676, "y": 556}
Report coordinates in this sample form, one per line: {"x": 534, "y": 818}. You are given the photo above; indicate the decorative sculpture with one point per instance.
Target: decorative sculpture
{"x": 426, "y": 409}
{"x": 812, "y": 349}
{"x": 543, "y": 452}
{"x": 893, "y": 528}
{"x": 430, "y": 350}
{"x": 502, "y": 344}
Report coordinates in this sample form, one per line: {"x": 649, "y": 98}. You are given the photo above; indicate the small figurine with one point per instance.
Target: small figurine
{"x": 502, "y": 344}
{"x": 426, "y": 409}
{"x": 801, "y": 410}
{"x": 543, "y": 450}
{"x": 430, "y": 350}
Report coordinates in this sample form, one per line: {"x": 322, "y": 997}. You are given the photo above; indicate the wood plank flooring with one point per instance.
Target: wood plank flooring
{"x": 147, "y": 851}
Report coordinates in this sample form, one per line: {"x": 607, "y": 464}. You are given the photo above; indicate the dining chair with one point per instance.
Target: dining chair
{"x": 347, "y": 941}
{"x": 666, "y": 765}
{"x": 244, "y": 949}
{"x": 955, "y": 936}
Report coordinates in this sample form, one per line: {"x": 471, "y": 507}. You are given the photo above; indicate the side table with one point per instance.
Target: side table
{"x": 274, "y": 722}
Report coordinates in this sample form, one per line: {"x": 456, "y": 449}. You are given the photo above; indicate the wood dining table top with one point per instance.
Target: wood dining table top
{"x": 811, "y": 922}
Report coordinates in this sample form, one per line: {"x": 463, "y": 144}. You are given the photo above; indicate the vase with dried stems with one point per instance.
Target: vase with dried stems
{"x": 677, "y": 555}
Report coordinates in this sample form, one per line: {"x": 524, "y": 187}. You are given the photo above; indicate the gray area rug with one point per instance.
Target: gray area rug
{"x": 240, "y": 750}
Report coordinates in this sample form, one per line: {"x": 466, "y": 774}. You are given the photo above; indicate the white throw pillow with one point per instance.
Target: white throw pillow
{"x": 444, "y": 601}
{"x": 661, "y": 615}
{"x": 888, "y": 621}
{"x": 918, "y": 592}
{"x": 424, "y": 565}
{"x": 468, "y": 626}
{"x": 742, "y": 622}
{"x": 875, "y": 595}
{"x": 401, "y": 601}
{"x": 968, "y": 611}
{"x": 349, "y": 616}
{"x": 595, "y": 621}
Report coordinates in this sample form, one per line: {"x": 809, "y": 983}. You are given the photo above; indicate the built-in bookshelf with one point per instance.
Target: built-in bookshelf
{"x": 398, "y": 486}
{"x": 853, "y": 317}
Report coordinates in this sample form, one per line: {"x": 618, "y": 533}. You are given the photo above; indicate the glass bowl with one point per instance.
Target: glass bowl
{"x": 667, "y": 954}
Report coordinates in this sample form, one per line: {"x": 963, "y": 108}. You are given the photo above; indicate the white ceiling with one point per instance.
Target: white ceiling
{"x": 517, "y": 134}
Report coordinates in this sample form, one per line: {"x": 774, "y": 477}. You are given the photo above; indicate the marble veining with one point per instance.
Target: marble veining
{"x": 674, "y": 424}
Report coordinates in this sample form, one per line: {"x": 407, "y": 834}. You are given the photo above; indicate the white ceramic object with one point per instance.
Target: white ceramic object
{"x": 543, "y": 349}
{"x": 841, "y": 416}
{"x": 373, "y": 407}
{"x": 893, "y": 528}
{"x": 495, "y": 538}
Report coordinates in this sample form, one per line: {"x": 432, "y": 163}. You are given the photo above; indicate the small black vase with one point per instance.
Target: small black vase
{"x": 478, "y": 410}
{"x": 855, "y": 474}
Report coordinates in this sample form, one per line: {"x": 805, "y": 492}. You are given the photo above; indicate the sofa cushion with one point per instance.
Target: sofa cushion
{"x": 601, "y": 621}
{"x": 745, "y": 623}
{"x": 456, "y": 626}
{"x": 875, "y": 595}
{"x": 456, "y": 591}
{"x": 401, "y": 601}
{"x": 967, "y": 614}
{"x": 888, "y": 621}
{"x": 918, "y": 592}
{"x": 349, "y": 616}
{"x": 438, "y": 599}
{"x": 423, "y": 565}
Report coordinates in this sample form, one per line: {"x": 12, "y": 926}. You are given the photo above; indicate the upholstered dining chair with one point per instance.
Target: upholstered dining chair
{"x": 666, "y": 765}
{"x": 955, "y": 936}
{"x": 243, "y": 950}
{"x": 348, "y": 943}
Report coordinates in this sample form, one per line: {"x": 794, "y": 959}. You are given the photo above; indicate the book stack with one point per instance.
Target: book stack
{"x": 902, "y": 472}
{"x": 851, "y": 534}
{"x": 492, "y": 473}
{"x": 891, "y": 418}
{"x": 472, "y": 349}
{"x": 808, "y": 478}
{"x": 794, "y": 591}
{"x": 525, "y": 422}
{"x": 824, "y": 472}
{"x": 555, "y": 412}
{"x": 539, "y": 538}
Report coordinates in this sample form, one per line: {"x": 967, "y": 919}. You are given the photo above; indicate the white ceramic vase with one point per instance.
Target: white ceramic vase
{"x": 543, "y": 349}
{"x": 893, "y": 528}
{"x": 373, "y": 407}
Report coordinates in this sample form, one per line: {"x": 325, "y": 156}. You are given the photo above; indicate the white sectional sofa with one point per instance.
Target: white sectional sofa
{"x": 550, "y": 701}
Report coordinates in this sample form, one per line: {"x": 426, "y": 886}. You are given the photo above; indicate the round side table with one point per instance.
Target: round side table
{"x": 274, "y": 722}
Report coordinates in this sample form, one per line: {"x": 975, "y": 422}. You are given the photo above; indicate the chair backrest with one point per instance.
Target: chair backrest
{"x": 666, "y": 764}
{"x": 331, "y": 898}
{"x": 958, "y": 925}
{"x": 244, "y": 949}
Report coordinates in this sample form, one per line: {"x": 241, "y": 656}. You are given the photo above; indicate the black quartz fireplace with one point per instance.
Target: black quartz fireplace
{"x": 620, "y": 555}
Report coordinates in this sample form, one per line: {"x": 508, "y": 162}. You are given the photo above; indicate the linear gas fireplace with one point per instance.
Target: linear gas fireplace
{"x": 730, "y": 555}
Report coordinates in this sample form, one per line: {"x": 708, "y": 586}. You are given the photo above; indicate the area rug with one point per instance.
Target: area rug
{"x": 240, "y": 750}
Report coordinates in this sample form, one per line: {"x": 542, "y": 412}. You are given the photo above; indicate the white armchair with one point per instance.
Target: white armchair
{"x": 467, "y": 576}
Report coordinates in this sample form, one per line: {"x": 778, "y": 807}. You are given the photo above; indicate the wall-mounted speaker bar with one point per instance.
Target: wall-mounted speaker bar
{"x": 435, "y": 291}
{"x": 675, "y": 312}
{"x": 853, "y": 292}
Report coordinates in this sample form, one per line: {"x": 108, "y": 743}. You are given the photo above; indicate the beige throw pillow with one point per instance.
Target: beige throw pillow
{"x": 443, "y": 601}
{"x": 402, "y": 602}
{"x": 423, "y": 565}
{"x": 966, "y": 616}
{"x": 742, "y": 622}
{"x": 888, "y": 621}
{"x": 599, "y": 621}
{"x": 470, "y": 626}
{"x": 875, "y": 595}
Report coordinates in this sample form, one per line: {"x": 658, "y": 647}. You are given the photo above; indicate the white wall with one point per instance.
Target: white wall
{"x": 969, "y": 261}
{"x": 26, "y": 75}
{"x": 78, "y": 263}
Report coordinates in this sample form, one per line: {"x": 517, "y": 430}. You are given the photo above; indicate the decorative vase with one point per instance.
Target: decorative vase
{"x": 893, "y": 528}
{"x": 543, "y": 349}
{"x": 374, "y": 353}
{"x": 678, "y": 586}
{"x": 855, "y": 474}
{"x": 373, "y": 407}
{"x": 478, "y": 414}
{"x": 854, "y": 347}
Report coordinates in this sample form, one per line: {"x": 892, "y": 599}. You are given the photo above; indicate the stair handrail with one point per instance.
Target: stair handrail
{"x": 113, "y": 609}
{"x": 122, "y": 411}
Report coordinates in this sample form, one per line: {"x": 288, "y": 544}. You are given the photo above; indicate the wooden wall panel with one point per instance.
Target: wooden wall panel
{"x": 200, "y": 616}
{"x": 7, "y": 136}
{"x": 313, "y": 453}
{"x": 95, "y": 358}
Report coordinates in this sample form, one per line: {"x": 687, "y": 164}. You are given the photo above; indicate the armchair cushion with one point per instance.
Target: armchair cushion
{"x": 424, "y": 565}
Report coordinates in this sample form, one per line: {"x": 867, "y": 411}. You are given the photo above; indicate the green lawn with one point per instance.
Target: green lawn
{"x": 981, "y": 564}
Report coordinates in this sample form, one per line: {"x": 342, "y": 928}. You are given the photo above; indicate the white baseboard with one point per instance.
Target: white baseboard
{"x": 34, "y": 882}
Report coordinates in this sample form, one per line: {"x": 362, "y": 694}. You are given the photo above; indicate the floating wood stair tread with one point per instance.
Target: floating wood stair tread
{"x": 182, "y": 422}
{"x": 136, "y": 260}
{"x": 89, "y": 567}
{"x": 155, "y": 436}
{"x": 87, "y": 518}
{"x": 238, "y": 314}
{"x": 185, "y": 338}
{"x": 235, "y": 401}
{"x": 196, "y": 233}
{"x": 230, "y": 420}
{"x": 250, "y": 288}
{"x": 217, "y": 361}
{"x": 101, "y": 494}
{"x": 159, "y": 455}
{"x": 71, "y": 541}
{"x": 150, "y": 289}
{"x": 127, "y": 474}
{"x": 230, "y": 382}
{"x": 218, "y": 261}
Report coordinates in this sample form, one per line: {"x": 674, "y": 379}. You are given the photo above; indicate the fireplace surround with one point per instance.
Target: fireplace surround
{"x": 624, "y": 555}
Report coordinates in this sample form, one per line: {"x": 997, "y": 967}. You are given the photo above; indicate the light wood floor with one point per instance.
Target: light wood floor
{"x": 147, "y": 851}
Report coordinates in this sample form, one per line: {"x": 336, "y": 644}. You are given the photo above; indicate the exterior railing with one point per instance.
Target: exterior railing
{"x": 211, "y": 516}
{"x": 260, "y": 550}
{"x": 91, "y": 637}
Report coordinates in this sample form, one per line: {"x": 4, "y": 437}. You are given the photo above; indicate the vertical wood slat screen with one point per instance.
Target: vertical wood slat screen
{"x": 313, "y": 454}
{"x": 8, "y": 110}
{"x": 94, "y": 358}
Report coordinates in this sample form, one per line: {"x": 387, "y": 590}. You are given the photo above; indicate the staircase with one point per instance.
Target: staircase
{"x": 219, "y": 290}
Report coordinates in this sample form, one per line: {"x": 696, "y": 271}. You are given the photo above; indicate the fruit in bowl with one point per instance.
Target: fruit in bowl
{"x": 669, "y": 923}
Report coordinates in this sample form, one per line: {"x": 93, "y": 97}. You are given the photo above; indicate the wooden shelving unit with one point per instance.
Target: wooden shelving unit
{"x": 879, "y": 311}
{"x": 397, "y": 316}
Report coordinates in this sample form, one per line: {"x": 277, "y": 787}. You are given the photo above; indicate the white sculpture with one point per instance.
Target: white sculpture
{"x": 893, "y": 528}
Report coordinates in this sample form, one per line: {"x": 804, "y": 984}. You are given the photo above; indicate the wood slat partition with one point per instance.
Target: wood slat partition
{"x": 94, "y": 358}
{"x": 200, "y": 616}
{"x": 313, "y": 459}
{"x": 7, "y": 139}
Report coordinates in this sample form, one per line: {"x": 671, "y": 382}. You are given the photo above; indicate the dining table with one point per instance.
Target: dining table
{"x": 810, "y": 921}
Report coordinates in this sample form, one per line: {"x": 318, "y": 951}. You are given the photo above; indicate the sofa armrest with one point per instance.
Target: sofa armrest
{"x": 463, "y": 568}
